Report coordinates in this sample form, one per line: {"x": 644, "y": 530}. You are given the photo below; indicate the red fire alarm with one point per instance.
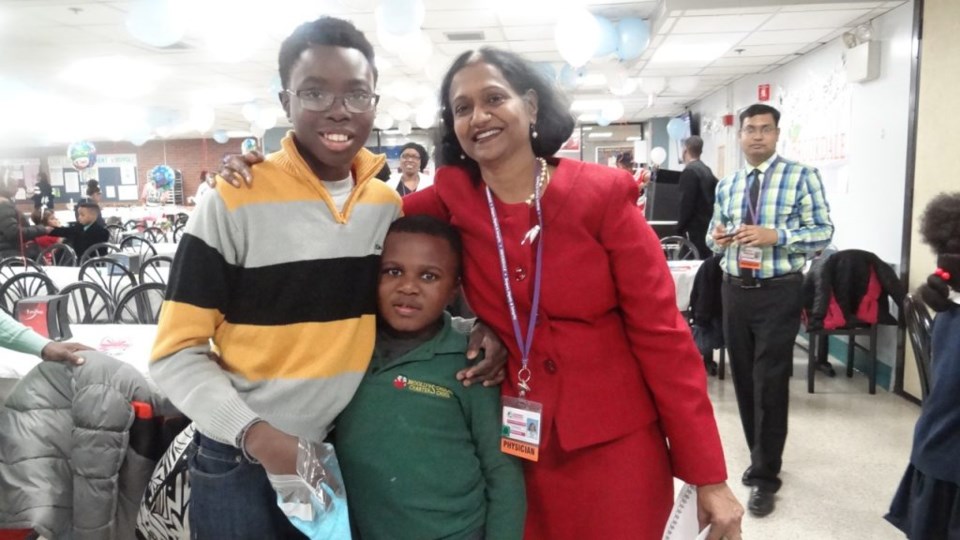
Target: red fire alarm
{"x": 728, "y": 120}
{"x": 763, "y": 92}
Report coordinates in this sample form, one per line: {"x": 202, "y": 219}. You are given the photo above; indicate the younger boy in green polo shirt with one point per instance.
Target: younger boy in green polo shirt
{"x": 420, "y": 453}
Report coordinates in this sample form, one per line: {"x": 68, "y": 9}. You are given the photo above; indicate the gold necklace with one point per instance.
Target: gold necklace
{"x": 542, "y": 180}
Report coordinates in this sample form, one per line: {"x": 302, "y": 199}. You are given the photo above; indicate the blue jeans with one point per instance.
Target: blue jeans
{"x": 231, "y": 498}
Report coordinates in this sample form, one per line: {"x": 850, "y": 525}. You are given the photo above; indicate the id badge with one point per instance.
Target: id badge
{"x": 750, "y": 258}
{"x": 520, "y": 428}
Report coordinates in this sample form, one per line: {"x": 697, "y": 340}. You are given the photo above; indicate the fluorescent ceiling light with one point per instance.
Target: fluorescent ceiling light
{"x": 689, "y": 53}
{"x": 587, "y": 128}
{"x": 115, "y": 76}
{"x": 588, "y": 104}
{"x": 222, "y": 95}
{"x": 634, "y": 138}
{"x": 600, "y": 135}
{"x": 587, "y": 117}
{"x": 592, "y": 79}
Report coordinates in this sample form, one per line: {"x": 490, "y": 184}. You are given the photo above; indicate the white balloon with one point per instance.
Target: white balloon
{"x": 577, "y": 36}
{"x": 658, "y": 155}
{"x": 684, "y": 85}
{"x": 267, "y": 118}
{"x": 405, "y": 127}
{"x": 257, "y": 130}
{"x": 426, "y": 116}
{"x": 399, "y": 16}
{"x": 202, "y": 118}
{"x": 383, "y": 121}
{"x": 400, "y": 111}
{"x": 612, "y": 110}
{"x": 416, "y": 50}
{"x": 653, "y": 85}
{"x": 250, "y": 111}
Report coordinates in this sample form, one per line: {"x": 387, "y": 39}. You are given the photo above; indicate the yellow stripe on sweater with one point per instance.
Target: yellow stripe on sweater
{"x": 308, "y": 350}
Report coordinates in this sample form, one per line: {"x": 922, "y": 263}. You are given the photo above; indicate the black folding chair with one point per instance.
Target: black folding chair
{"x": 154, "y": 234}
{"x": 155, "y": 269}
{"x": 138, "y": 244}
{"x": 116, "y": 233}
{"x": 88, "y": 303}
{"x": 58, "y": 254}
{"x": 109, "y": 274}
{"x": 177, "y": 233}
{"x": 678, "y": 248}
{"x": 141, "y": 305}
{"x": 920, "y": 328}
{"x": 131, "y": 225}
{"x": 11, "y": 266}
{"x": 24, "y": 285}
{"x": 98, "y": 250}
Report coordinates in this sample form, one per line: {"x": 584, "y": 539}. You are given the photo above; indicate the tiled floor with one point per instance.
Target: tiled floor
{"x": 846, "y": 451}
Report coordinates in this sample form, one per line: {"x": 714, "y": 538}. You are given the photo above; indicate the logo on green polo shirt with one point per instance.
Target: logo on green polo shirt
{"x": 420, "y": 387}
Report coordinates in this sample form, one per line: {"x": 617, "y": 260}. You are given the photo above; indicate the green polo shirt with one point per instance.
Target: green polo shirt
{"x": 420, "y": 453}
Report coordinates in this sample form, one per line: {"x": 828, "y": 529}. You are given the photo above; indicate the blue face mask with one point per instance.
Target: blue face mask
{"x": 314, "y": 499}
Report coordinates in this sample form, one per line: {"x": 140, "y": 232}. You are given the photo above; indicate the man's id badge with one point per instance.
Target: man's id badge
{"x": 520, "y": 428}
{"x": 750, "y": 257}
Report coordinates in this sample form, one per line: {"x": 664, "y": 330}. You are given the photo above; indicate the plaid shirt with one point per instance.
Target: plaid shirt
{"x": 792, "y": 201}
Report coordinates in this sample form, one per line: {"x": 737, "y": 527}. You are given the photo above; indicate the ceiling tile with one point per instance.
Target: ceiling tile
{"x": 729, "y": 23}
{"x": 533, "y": 46}
{"x": 769, "y": 50}
{"x": 729, "y": 61}
{"x": 813, "y": 19}
{"x": 732, "y": 11}
{"x": 778, "y": 37}
{"x": 517, "y": 33}
{"x": 474, "y": 19}
{"x": 826, "y": 6}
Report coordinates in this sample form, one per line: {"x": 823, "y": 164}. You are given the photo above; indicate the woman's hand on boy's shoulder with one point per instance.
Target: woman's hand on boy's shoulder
{"x": 237, "y": 168}
{"x": 491, "y": 370}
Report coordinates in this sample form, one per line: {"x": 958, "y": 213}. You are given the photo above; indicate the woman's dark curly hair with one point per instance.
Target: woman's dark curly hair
{"x": 554, "y": 121}
{"x": 940, "y": 229}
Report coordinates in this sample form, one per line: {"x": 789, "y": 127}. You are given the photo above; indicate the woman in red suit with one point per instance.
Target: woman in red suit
{"x": 612, "y": 361}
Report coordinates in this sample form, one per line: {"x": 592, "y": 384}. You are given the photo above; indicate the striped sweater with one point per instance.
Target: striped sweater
{"x": 284, "y": 284}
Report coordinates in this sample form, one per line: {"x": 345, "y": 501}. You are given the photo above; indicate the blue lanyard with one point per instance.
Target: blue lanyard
{"x": 524, "y": 344}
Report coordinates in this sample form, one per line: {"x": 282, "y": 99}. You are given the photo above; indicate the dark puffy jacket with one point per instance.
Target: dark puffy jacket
{"x": 66, "y": 466}
{"x": 850, "y": 288}
{"x": 13, "y": 226}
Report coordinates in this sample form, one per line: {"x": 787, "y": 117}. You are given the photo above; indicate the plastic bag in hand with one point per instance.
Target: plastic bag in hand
{"x": 314, "y": 499}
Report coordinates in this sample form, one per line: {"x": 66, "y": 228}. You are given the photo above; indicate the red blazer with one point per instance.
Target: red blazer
{"x": 611, "y": 353}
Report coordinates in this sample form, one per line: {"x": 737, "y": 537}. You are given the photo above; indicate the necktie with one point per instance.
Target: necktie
{"x": 754, "y": 194}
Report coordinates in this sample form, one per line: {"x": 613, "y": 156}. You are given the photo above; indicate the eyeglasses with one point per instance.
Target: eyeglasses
{"x": 752, "y": 130}
{"x": 320, "y": 101}
{"x": 414, "y": 157}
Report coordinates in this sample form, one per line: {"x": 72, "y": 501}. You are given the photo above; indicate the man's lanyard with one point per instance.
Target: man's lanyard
{"x": 754, "y": 210}
{"x": 525, "y": 345}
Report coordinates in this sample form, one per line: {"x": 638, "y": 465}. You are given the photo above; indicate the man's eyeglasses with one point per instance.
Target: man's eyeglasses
{"x": 320, "y": 101}
{"x": 753, "y": 130}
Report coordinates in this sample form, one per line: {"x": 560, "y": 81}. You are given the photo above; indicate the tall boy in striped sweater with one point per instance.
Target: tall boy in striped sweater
{"x": 283, "y": 278}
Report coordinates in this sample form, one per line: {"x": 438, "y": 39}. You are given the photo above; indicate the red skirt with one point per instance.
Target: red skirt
{"x": 622, "y": 489}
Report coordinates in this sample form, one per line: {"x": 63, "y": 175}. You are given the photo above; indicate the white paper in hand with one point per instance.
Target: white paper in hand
{"x": 683, "y": 523}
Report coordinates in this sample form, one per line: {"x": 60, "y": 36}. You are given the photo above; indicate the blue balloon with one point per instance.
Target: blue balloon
{"x": 634, "y": 36}
{"x": 677, "y": 128}
{"x": 249, "y": 145}
{"x": 603, "y": 121}
{"x": 220, "y": 136}
{"x": 162, "y": 176}
{"x": 569, "y": 75}
{"x": 608, "y": 37}
{"x": 82, "y": 154}
{"x": 547, "y": 69}
{"x": 399, "y": 17}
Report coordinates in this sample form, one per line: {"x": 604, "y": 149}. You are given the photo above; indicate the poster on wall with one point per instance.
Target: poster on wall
{"x": 71, "y": 180}
{"x": 127, "y": 193}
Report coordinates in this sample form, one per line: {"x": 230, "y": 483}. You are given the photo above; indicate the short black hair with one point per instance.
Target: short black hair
{"x": 694, "y": 145}
{"x": 757, "y": 109}
{"x": 93, "y": 186}
{"x": 89, "y": 204}
{"x": 424, "y": 156}
{"x": 323, "y": 31}
{"x": 431, "y": 226}
{"x": 554, "y": 122}
{"x": 626, "y": 158}
{"x": 940, "y": 224}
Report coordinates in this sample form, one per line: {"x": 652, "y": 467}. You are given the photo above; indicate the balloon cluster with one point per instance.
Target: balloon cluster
{"x": 249, "y": 145}
{"x": 580, "y": 36}
{"x": 162, "y": 176}
{"x": 83, "y": 155}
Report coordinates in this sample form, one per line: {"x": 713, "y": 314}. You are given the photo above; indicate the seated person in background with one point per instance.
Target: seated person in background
{"x": 87, "y": 231}
{"x": 17, "y": 337}
{"x": 420, "y": 453}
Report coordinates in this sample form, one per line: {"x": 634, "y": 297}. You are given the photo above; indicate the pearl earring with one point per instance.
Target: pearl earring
{"x": 533, "y": 131}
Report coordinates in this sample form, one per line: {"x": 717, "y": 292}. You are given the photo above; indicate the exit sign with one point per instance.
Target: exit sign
{"x": 763, "y": 92}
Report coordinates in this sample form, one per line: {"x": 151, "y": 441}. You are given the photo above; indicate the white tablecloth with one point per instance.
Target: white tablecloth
{"x": 683, "y": 273}
{"x": 65, "y": 275}
{"x": 129, "y": 343}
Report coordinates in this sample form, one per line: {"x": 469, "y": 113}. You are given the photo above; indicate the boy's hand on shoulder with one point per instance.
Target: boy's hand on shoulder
{"x": 274, "y": 449}
{"x": 491, "y": 369}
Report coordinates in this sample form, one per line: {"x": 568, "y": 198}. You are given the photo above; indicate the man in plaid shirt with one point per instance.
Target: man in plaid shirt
{"x": 767, "y": 219}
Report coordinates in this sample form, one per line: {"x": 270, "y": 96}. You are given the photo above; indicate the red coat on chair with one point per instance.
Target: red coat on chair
{"x": 613, "y": 361}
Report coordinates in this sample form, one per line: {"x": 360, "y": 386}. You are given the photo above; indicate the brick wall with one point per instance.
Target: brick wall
{"x": 190, "y": 156}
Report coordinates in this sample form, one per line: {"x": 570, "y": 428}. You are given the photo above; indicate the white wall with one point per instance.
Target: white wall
{"x": 856, "y": 133}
